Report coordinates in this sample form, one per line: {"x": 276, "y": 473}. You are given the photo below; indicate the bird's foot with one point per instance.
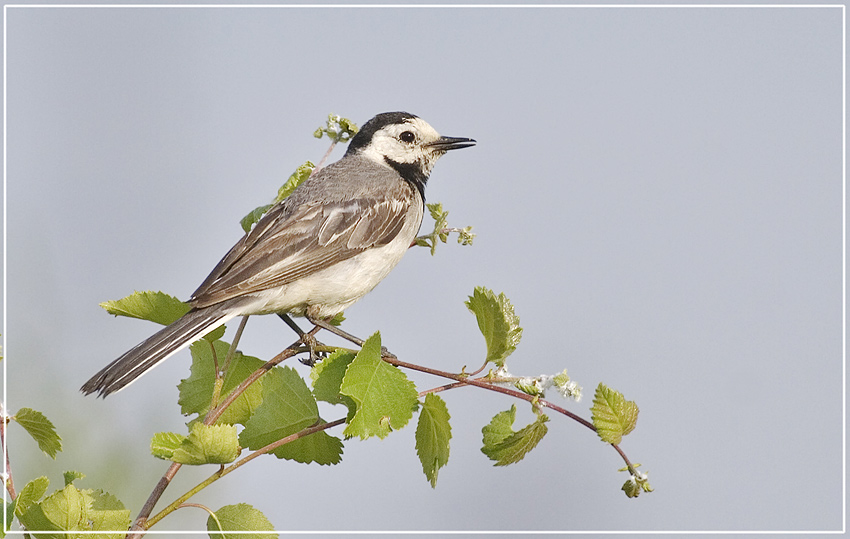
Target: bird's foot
{"x": 313, "y": 357}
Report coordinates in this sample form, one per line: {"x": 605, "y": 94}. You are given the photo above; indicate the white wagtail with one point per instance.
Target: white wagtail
{"x": 317, "y": 251}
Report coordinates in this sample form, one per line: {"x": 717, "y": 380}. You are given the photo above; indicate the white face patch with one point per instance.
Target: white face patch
{"x": 405, "y": 143}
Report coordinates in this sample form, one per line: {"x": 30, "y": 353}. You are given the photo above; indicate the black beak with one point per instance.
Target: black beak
{"x": 444, "y": 144}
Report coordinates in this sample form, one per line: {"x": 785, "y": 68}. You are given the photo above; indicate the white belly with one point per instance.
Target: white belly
{"x": 333, "y": 289}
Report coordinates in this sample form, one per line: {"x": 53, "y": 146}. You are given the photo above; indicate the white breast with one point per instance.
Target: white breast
{"x": 331, "y": 290}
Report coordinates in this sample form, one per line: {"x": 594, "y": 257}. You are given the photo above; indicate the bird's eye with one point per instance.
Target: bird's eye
{"x": 407, "y": 136}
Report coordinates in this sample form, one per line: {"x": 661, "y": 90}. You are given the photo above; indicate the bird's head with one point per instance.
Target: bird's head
{"x": 404, "y": 142}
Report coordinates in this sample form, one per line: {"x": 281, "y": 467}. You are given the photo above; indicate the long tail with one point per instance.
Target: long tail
{"x": 157, "y": 348}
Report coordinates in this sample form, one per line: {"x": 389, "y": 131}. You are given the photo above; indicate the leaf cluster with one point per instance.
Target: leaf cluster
{"x": 442, "y": 230}
{"x": 68, "y": 510}
{"x": 337, "y": 128}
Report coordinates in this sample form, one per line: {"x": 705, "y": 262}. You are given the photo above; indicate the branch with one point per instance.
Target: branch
{"x": 239, "y": 463}
{"x": 478, "y": 382}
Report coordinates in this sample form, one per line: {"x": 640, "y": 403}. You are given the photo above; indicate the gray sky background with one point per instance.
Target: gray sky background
{"x": 657, "y": 190}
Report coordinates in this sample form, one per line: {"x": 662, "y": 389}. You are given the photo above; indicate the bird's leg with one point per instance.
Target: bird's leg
{"x": 307, "y": 339}
{"x": 324, "y": 324}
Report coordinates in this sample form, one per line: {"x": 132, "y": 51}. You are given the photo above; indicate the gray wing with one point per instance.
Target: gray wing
{"x": 289, "y": 243}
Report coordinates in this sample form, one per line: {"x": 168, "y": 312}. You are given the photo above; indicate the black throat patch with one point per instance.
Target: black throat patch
{"x": 412, "y": 173}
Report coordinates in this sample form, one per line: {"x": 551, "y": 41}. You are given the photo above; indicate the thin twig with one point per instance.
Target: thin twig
{"x": 325, "y": 157}
{"x": 139, "y": 525}
{"x": 232, "y": 350}
{"x": 463, "y": 379}
{"x": 441, "y": 388}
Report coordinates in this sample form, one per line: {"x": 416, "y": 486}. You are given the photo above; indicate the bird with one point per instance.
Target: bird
{"x": 316, "y": 252}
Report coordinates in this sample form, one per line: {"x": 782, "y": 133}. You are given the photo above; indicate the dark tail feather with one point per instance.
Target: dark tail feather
{"x": 157, "y": 348}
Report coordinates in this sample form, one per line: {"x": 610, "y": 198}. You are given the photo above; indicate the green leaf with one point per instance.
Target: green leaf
{"x": 31, "y": 494}
{"x": 499, "y": 427}
{"x": 71, "y": 476}
{"x": 41, "y": 430}
{"x": 164, "y": 444}
{"x": 631, "y": 488}
{"x": 215, "y": 334}
{"x": 385, "y": 397}
{"x": 196, "y": 391}
{"x": 65, "y": 509}
{"x": 319, "y": 447}
{"x": 104, "y": 501}
{"x": 10, "y": 516}
{"x": 613, "y": 416}
{"x": 206, "y": 444}
{"x": 107, "y": 513}
{"x": 34, "y": 518}
{"x": 295, "y": 179}
{"x": 248, "y": 222}
{"x": 289, "y": 407}
{"x": 154, "y": 306}
{"x": 241, "y": 518}
{"x": 433, "y": 433}
{"x": 497, "y": 322}
{"x": 505, "y": 446}
{"x": 337, "y": 319}
{"x": 327, "y": 378}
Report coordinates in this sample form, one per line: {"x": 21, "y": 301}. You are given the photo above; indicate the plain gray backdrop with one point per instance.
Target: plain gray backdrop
{"x": 658, "y": 190}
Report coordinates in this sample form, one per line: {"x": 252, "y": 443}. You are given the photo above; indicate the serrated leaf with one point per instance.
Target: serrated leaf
{"x": 107, "y": 513}
{"x": 385, "y": 397}
{"x": 163, "y": 444}
{"x": 40, "y": 429}
{"x": 612, "y": 415}
{"x": 497, "y": 321}
{"x": 327, "y": 379}
{"x": 208, "y": 444}
{"x": 433, "y": 432}
{"x": 319, "y": 447}
{"x": 215, "y": 334}
{"x": 71, "y": 476}
{"x": 241, "y": 518}
{"x": 104, "y": 501}
{"x": 337, "y": 319}
{"x": 65, "y": 509}
{"x": 505, "y": 446}
{"x": 31, "y": 494}
{"x": 499, "y": 427}
{"x": 289, "y": 407}
{"x": 154, "y": 306}
{"x": 196, "y": 391}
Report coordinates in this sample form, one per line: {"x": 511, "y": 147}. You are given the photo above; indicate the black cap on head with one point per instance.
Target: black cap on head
{"x": 364, "y": 136}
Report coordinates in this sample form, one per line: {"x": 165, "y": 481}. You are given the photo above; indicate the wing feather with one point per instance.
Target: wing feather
{"x": 287, "y": 244}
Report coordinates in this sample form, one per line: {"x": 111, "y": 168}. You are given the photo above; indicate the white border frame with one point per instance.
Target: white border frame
{"x": 842, "y": 7}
